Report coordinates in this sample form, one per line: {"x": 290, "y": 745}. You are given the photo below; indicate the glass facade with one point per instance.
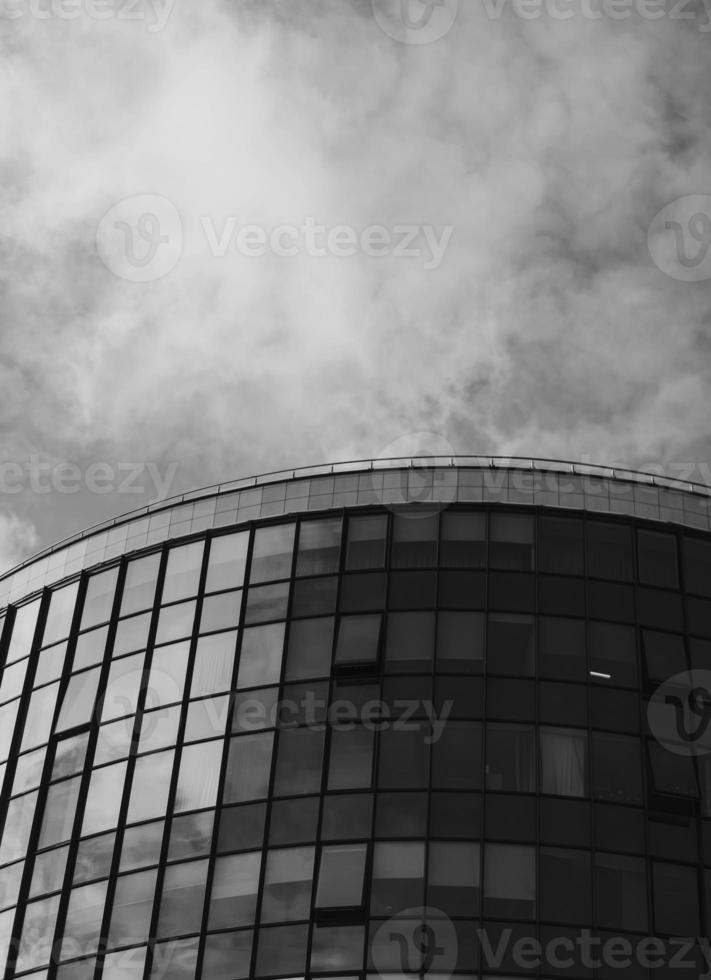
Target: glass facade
{"x": 241, "y": 753}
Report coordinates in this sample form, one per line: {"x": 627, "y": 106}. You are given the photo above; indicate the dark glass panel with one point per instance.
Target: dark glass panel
{"x": 363, "y": 592}
{"x": 266, "y": 602}
{"x": 299, "y": 762}
{"x": 460, "y": 642}
{"x": 351, "y": 758}
{"x": 366, "y": 542}
{"x": 613, "y": 710}
{"x": 248, "y": 767}
{"x": 512, "y": 592}
{"x": 309, "y": 648}
{"x": 661, "y": 610}
{"x": 672, "y": 774}
{"x": 561, "y": 544}
{"x": 511, "y": 644}
{"x": 510, "y": 818}
{"x": 463, "y": 540}
{"x": 619, "y": 828}
{"x": 511, "y": 544}
{"x": 294, "y": 821}
{"x": 404, "y": 758}
{"x": 413, "y": 590}
{"x": 663, "y": 653}
{"x": 272, "y": 553}
{"x": 409, "y": 644}
{"x": 414, "y": 543}
{"x": 288, "y": 882}
{"x": 510, "y": 760}
{"x": 319, "y": 547}
{"x": 697, "y": 566}
{"x": 509, "y": 881}
{"x": 341, "y": 876}
{"x": 455, "y": 815}
{"x": 462, "y": 590}
{"x": 564, "y": 763}
{"x": 564, "y": 822}
{"x": 561, "y": 596}
{"x": 561, "y": 651}
{"x": 616, "y": 769}
{"x": 241, "y": 827}
{"x": 459, "y": 697}
{"x": 566, "y": 893}
{"x": 562, "y": 704}
{"x": 609, "y": 551}
{"x": 613, "y": 654}
{"x": 456, "y": 757}
{"x": 358, "y": 640}
{"x": 611, "y": 600}
{"x": 401, "y": 815}
{"x": 233, "y": 900}
{"x": 510, "y": 700}
{"x": 398, "y": 877}
{"x": 182, "y": 899}
{"x": 314, "y": 597}
{"x": 454, "y": 878}
{"x": 657, "y": 559}
{"x": 676, "y": 899}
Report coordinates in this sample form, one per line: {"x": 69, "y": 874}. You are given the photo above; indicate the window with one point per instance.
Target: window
{"x": 509, "y": 881}
{"x": 59, "y": 812}
{"x": 214, "y": 663}
{"x": 266, "y": 602}
{"x": 294, "y": 821}
{"x": 463, "y": 543}
{"x": 175, "y": 622}
{"x": 83, "y": 922}
{"x": 656, "y": 555}
{"x": 228, "y": 955}
{"x": 609, "y": 551}
{"x": 60, "y": 615}
{"x": 561, "y": 651}
{"x": 620, "y": 888}
{"x": 133, "y": 903}
{"x": 460, "y": 642}
{"x": 272, "y": 553}
{"x": 241, "y": 827}
{"x": 314, "y": 596}
{"x": 341, "y": 876}
{"x": 282, "y": 951}
{"x": 99, "y": 599}
{"x": 616, "y": 770}
{"x": 182, "y": 899}
{"x": 319, "y": 547}
{"x": 676, "y": 901}
{"x": 456, "y": 757}
{"x": 248, "y": 767}
{"x": 94, "y": 858}
{"x": 358, "y": 640}
{"x": 234, "y": 890}
{"x": 122, "y": 687}
{"x": 565, "y": 885}
{"x": 510, "y": 762}
{"x": 562, "y": 546}
{"x": 220, "y": 612}
{"x": 365, "y": 546}
{"x": 511, "y": 545}
{"x": 563, "y": 761}
{"x": 23, "y": 631}
{"x": 299, "y": 762}
{"x": 414, "y": 541}
{"x": 139, "y": 587}
{"x": 141, "y": 846}
{"x": 47, "y": 876}
{"x": 39, "y": 923}
{"x": 79, "y": 700}
{"x": 190, "y": 835}
{"x": 672, "y": 774}
{"x": 227, "y": 562}
{"x": 454, "y": 878}
{"x": 404, "y": 758}
{"x": 410, "y": 641}
{"x": 351, "y": 758}
{"x": 40, "y": 713}
{"x": 511, "y": 644}
{"x": 182, "y": 575}
{"x": 347, "y": 816}
{"x": 697, "y": 566}
{"x": 13, "y": 679}
{"x": 664, "y": 654}
{"x": 131, "y": 634}
{"x": 198, "y": 776}
{"x": 260, "y": 656}
{"x": 90, "y": 648}
{"x": 613, "y": 654}
{"x": 309, "y": 648}
{"x": 18, "y": 824}
{"x": 401, "y": 815}
{"x": 398, "y": 873}
{"x": 150, "y": 787}
{"x": 288, "y": 881}
{"x": 166, "y": 680}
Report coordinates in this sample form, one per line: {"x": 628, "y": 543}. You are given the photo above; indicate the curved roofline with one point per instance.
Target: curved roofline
{"x": 361, "y": 465}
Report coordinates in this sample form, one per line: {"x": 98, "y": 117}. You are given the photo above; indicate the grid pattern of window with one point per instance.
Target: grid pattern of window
{"x": 237, "y": 755}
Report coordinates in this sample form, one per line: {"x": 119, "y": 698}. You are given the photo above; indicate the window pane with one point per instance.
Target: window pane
{"x": 672, "y": 774}
{"x": 566, "y": 885}
{"x": 309, "y": 648}
{"x": 99, "y": 599}
{"x": 562, "y": 546}
{"x": 613, "y": 653}
{"x": 340, "y": 877}
{"x": 122, "y": 687}
{"x": 358, "y": 639}
{"x": 191, "y": 835}
{"x": 510, "y": 881}
{"x": 94, "y": 858}
{"x": 83, "y": 922}
{"x": 39, "y": 924}
{"x": 366, "y": 542}
{"x": 159, "y": 729}
{"x": 456, "y": 757}
{"x": 131, "y": 634}
{"x": 220, "y": 612}
{"x": 128, "y": 964}
{"x": 198, "y": 777}
{"x": 410, "y": 641}
{"x": 48, "y": 873}
{"x": 511, "y": 545}
{"x": 150, "y": 787}
{"x": 282, "y": 951}
{"x": 272, "y": 553}
{"x": 609, "y": 551}
{"x": 248, "y": 767}
{"x": 206, "y": 718}
{"x": 460, "y": 642}
{"x": 166, "y": 680}
{"x": 617, "y": 775}
{"x": 59, "y": 812}
{"x": 8, "y": 717}
{"x": 561, "y": 651}
{"x": 18, "y": 824}
{"x": 141, "y": 846}
{"x": 104, "y": 799}
{"x": 61, "y": 612}
{"x": 398, "y": 873}
{"x": 79, "y": 700}
{"x": 664, "y": 654}
{"x": 228, "y": 955}
{"x": 261, "y": 656}
{"x": 510, "y": 762}
{"x": 299, "y": 762}
{"x": 463, "y": 542}
{"x": 23, "y": 631}
{"x": 414, "y": 541}
{"x": 228, "y": 561}
{"x": 563, "y": 761}
{"x": 511, "y": 645}
{"x": 40, "y": 714}
{"x": 454, "y": 878}
{"x": 697, "y": 566}
{"x": 133, "y": 904}
{"x": 319, "y": 547}
{"x": 287, "y": 884}
{"x": 351, "y": 759}
{"x": 13, "y": 680}
{"x": 183, "y": 898}
{"x": 182, "y": 574}
{"x": 404, "y": 758}
{"x": 214, "y": 663}
{"x": 175, "y": 622}
{"x": 267, "y": 602}
{"x": 234, "y": 891}
{"x": 656, "y": 554}
{"x": 90, "y": 648}
{"x": 621, "y": 898}
{"x": 139, "y": 587}
{"x": 676, "y": 901}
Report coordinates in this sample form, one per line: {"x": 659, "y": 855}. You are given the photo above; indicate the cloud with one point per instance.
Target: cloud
{"x": 547, "y": 145}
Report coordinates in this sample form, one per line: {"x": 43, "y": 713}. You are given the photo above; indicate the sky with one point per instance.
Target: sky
{"x": 242, "y": 236}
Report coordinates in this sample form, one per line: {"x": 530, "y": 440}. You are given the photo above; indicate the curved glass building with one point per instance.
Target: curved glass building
{"x": 422, "y": 717}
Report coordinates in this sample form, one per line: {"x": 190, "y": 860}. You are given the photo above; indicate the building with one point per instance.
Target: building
{"x": 333, "y": 722}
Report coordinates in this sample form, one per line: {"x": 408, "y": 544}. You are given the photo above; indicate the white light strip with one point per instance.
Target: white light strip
{"x": 596, "y": 673}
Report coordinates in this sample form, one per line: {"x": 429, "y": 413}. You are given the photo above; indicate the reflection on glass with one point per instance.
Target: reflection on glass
{"x": 114, "y": 741}
{"x": 13, "y": 679}
{"x": 133, "y": 903}
{"x": 341, "y": 875}
{"x": 8, "y": 716}
{"x": 319, "y": 546}
{"x": 90, "y": 648}
{"x": 453, "y": 883}
{"x": 61, "y": 612}
{"x": 182, "y": 574}
{"x": 309, "y": 648}
{"x": 79, "y": 699}
{"x": 220, "y": 612}
{"x": 260, "y": 656}
{"x": 510, "y": 881}
{"x": 166, "y": 680}
{"x": 191, "y": 835}
{"x": 248, "y": 767}
{"x": 18, "y": 824}
{"x": 228, "y": 561}
{"x": 104, "y": 799}
{"x": 128, "y": 964}
{"x": 50, "y": 664}
{"x": 28, "y": 773}
{"x": 40, "y": 920}
{"x": 141, "y": 846}
{"x": 266, "y": 602}
{"x": 94, "y": 858}
{"x": 198, "y": 777}
{"x": 206, "y": 718}
{"x": 23, "y": 631}
{"x": 159, "y": 728}
{"x": 150, "y": 787}
{"x": 40, "y": 713}
{"x": 131, "y": 634}
{"x": 272, "y": 553}
{"x": 287, "y": 884}
{"x": 139, "y": 586}
{"x": 234, "y": 890}
{"x": 175, "y": 622}
{"x": 214, "y": 662}
{"x": 398, "y": 877}
{"x": 48, "y": 873}
{"x": 83, "y": 923}
{"x": 228, "y": 955}
{"x": 182, "y": 901}
{"x": 366, "y": 542}
{"x": 59, "y": 812}
{"x": 99, "y": 598}
{"x": 122, "y": 687}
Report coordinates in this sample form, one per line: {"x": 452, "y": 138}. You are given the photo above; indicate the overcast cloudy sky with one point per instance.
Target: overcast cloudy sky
{"x": 534, "y": 151}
